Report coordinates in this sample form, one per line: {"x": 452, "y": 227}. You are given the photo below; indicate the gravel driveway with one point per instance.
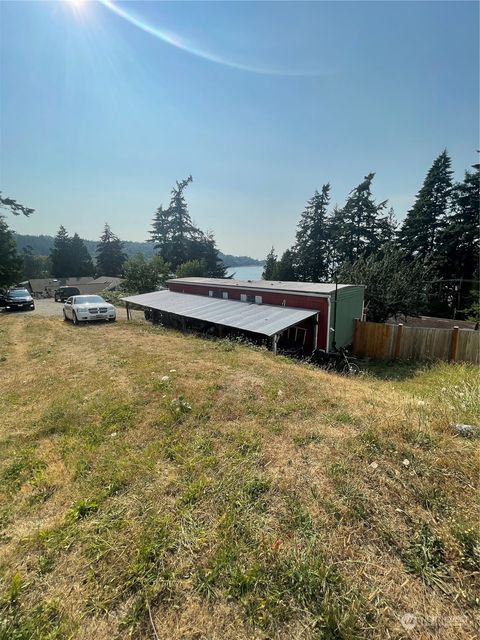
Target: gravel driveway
{"x": 49, "y": 308}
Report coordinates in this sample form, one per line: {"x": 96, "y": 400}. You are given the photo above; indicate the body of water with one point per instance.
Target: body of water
{"x": 252, "y": 272}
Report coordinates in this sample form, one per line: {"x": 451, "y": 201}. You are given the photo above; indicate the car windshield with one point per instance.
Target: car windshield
{"x": 87, "y": 299}
{"x": 18, "y": 293}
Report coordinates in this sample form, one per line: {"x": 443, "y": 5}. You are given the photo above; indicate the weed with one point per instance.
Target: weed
{"x": 81, "y": 509}
{"x": 425, "y": 557}
{"x": 180, "y": 406}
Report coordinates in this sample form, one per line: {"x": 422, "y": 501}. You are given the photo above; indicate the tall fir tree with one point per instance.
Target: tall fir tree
{"x": 161, "y": 231}
{"x": 285, "y": 268}
{"x": 312, "y": 239}
{"x": 110, "y": 256}
{"x": 457, "y": 251}
{"x": 179, "y": 241}
{"x": 182, "y": 229}
{"x": 10, "y": 261}
{"x": 360, "y": 229}
{"x": 60, "y": 254}
{"x": 419, "y": 233}
{"x": 270, "y": 266}
{"x": 203, "y": 249}
{"x": 81, "y": 263}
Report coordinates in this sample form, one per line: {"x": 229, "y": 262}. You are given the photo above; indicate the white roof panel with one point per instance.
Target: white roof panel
{"x": 258, "y": 318}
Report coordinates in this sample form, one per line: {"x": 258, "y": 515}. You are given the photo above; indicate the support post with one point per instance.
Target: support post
{"x": 335, "y": 316}
{"x": 454, "y": 344}
{"x": 274, "y": 344}
{"x": 128, "y": 310}
{"x": 220, "y": 330}
{"x": 398, "y": 341}
{"x": 315, "y": 333}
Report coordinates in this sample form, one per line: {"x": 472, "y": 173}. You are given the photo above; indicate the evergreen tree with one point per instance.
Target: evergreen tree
{"x": 270, "y": 266}
{"x": 60, "y": 254}
{"x": 457, "y": 252}
{"x": 182, "y": 230}
{"x": 161, "y": 230}
{"x": 10, "y": 261}
{"x": 110, "y": 255}
{"x": 178, "y": 240}
{"x": 333, "y": 258}
{"x": 203, "y": 249}
{"x": 360, "y": 229}
{"x": 285, "y": 268}
{"x": 312, "y": 239}
{"x": 81, "y": 263}
{"x": 14, "y": 207}
{"x": 34, "y": 266}
{"x": 420, "y": 230}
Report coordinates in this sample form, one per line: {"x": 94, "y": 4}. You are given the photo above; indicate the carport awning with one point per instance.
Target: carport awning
{"x": 258, "y": 318}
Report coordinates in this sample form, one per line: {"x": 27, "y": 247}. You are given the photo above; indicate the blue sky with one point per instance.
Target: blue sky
{"x": 261, "y": 102}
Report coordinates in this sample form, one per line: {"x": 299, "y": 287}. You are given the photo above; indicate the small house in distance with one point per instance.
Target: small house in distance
{"x": 305, "y": 314}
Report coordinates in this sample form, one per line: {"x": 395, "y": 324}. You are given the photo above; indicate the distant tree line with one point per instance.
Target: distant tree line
{"x": 430, "y": 264}
{"x": 178, "y": 247}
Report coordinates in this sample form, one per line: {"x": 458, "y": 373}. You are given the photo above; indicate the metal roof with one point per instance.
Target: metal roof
{"x": 318, "y": 288}
{"x": 258, "y": 318}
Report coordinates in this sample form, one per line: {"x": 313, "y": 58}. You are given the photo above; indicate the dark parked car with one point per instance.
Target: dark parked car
{"x": 17, "y": 299}
{"x": 62, "y": 293}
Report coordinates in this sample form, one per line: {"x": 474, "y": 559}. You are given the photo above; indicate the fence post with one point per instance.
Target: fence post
{"x": 398, "y": 341}
{"x": 453, "y": 344}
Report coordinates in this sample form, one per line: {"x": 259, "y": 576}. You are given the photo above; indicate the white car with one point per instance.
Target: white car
{"x": 86, "y": 308}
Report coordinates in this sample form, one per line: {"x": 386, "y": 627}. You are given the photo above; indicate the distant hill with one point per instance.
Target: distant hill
{"x": 41, "y": 246}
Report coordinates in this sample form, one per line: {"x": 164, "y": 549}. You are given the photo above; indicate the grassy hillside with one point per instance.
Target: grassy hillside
{"x": 155, "y": 485}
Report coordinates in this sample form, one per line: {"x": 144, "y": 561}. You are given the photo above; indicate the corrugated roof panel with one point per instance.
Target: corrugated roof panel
{"x": 316, "y": 288}
{"x": 258, "y": 318}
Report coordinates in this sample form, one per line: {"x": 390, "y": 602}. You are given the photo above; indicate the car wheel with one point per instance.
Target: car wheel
{"x": 65, "y": 317}
{"x": 74, "y": 318}
{"x": 111, "y": 319}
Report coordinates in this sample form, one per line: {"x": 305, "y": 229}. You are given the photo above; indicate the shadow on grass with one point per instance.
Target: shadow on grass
{"x": 394, "y": 369}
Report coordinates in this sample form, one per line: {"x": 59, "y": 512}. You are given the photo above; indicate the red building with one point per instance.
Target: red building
{"x": 337, "y": 306}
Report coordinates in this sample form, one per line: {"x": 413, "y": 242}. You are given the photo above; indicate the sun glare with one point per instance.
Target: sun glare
{"x": 77, "y": 5}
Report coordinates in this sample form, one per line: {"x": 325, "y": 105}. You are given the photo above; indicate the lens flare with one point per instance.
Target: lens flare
{"x": 181, "y": 43}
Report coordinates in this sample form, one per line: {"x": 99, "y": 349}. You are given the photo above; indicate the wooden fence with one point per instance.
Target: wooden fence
{"x": 391, "y": 341}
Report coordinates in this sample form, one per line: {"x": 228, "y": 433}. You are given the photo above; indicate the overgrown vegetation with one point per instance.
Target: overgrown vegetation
{"x": 156, "y": 484}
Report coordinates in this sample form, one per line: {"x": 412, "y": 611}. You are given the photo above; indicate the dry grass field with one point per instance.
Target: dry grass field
{"x": 161, "y": 486}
